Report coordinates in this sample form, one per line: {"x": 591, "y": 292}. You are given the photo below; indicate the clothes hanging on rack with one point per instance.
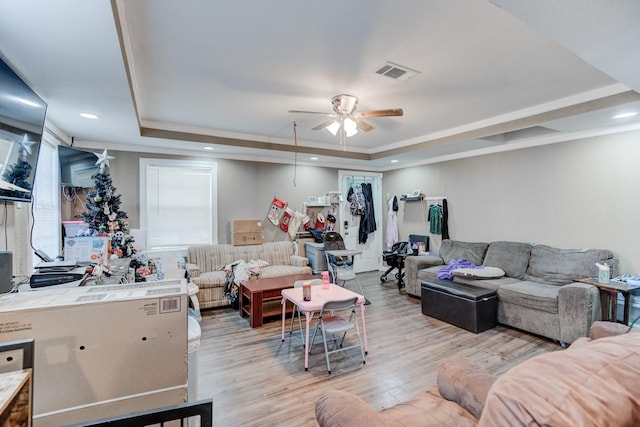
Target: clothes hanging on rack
{"x": 392, "y": 222}
{"x": 357, "y": 205}
{"x": 368, "y": 219}
{"x": 435, "y": 219}
{"x": 445, "y": 221}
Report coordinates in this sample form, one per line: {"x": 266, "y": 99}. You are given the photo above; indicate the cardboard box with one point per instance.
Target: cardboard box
{"x": 86, "y": 248}
{"x": 248, "y": 238}
{"x": 103, "y": 350}
{"x": 246, "y": 226}
{"x": 246, "y": 232}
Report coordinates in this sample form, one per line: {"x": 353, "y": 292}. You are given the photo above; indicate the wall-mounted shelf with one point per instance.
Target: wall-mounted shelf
{"x": 411, "y": 199}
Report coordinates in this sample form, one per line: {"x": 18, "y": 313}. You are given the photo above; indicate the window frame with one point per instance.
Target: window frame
{"x": 145, "y": 164}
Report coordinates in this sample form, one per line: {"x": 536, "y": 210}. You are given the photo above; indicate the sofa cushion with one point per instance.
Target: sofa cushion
{"x": 471, "y": 251}
{"x": 210, "y": 279}
{"x": 278, "y": 253}
{"x": 537, "y": 296}
{"x": 282, "y": 270}
{"x": 512, "y": 257}
{"x": 561, "y": 266}
{"x": 479, "y": 273}
{"x": 492, "y": 284}
{"x": 429, "y": 273}
{"x": 593, "y": 384}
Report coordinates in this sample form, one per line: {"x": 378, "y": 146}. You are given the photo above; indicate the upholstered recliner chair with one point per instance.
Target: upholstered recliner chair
{"x": 592, "y": 383}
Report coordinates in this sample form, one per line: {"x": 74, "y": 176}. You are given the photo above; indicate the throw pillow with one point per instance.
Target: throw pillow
{"x": 479, "y": 273}
{"x": 455, "y": 249}
{"x": 512, "y": 257}
{"x": 556, "y": 266}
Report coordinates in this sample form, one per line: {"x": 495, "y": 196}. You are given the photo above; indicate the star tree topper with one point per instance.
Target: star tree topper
{"x": 25, "y": 145}
{"x": 103, "y": 160}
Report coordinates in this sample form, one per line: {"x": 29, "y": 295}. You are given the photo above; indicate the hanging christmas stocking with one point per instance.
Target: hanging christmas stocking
{"x": 286, "y": 218}
{"x": 320, "y": 222}
{"x": 294, "y": 223}
{"x": 306, "y": 223}
{"x": 276, "y": 208}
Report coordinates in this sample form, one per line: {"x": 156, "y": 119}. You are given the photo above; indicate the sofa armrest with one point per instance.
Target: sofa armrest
{"x": 602, "y": 329}
{"x": 578, "y": 308}
{"x": 298, "y": 261}
{"x": 337, "y": 408}
{"x": 465, "y": 383}
{"x": 413, "y": 264}
{"x": 193, "y": 269}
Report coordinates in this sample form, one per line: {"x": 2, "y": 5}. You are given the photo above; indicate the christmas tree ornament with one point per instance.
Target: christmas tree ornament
{"x": 97, "y": 199}
{"x": 275, "y": 210}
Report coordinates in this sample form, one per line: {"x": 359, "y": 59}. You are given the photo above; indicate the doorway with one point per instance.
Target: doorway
{"x": 371, "y": 256}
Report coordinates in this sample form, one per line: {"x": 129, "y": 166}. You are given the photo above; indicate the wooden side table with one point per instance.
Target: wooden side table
{"x": 254, "y": 295}
{"x": 609, "y": 297}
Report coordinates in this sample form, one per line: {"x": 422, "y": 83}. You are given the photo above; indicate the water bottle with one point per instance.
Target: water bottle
{"x": 325, "y": 280}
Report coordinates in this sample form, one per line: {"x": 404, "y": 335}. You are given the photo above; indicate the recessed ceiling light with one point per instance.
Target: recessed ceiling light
{"x": 88, "y": 116}
{"x": 207, "y": 148}
{"x": 314, "y": 158}
{"x": 394, "y": 161}
{"x": 625, "y": 115}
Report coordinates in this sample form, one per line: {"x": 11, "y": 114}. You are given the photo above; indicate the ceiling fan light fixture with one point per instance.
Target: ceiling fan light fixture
{"x": 350, "y": 127}
{"x": 333, "y": 127}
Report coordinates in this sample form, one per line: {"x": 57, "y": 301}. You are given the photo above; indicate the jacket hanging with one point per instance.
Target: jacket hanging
{"x": 368, "y": 219}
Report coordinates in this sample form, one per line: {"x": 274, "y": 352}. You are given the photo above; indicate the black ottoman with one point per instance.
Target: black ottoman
{"x": 469, "y": 307}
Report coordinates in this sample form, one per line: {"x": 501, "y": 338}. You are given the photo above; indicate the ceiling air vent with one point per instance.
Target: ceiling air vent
{"x": 396, "y": 72}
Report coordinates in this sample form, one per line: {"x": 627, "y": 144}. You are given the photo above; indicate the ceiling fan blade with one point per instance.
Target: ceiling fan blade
{"x": 312, "y": 112}
{"x": 323, "y": 125}
{"x": 364, "y": 126}
{"x": 381, "y": 113}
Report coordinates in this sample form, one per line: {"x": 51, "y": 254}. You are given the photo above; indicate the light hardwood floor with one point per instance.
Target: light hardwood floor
{"x": 255, "y": 379}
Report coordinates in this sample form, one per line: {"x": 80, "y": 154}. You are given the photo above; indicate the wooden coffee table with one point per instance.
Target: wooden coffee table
{"x": 262, "y": 297}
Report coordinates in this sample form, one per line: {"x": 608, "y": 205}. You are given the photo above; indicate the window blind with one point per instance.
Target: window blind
{"x": 179, "y": 203}
{"x": 45, "y": 234}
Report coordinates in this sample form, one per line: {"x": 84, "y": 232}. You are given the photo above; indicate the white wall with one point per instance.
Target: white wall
{"x": 579, "y": 194}
{"x": 570, "y": 195}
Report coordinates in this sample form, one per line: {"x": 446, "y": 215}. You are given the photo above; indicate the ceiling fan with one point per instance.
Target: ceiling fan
{"x": 346, "y": 120}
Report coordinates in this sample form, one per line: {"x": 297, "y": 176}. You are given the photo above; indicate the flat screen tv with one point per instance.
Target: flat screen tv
{"x": 76, "y": 167}
{"x": 22, "y": 114}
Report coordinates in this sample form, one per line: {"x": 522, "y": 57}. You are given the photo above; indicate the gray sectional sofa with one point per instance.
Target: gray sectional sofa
{"x": 537, "y": 293}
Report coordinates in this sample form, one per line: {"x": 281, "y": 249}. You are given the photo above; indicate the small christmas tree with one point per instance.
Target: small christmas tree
{"x": 18, "y": 173}
{"x": 103, "y": 214}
